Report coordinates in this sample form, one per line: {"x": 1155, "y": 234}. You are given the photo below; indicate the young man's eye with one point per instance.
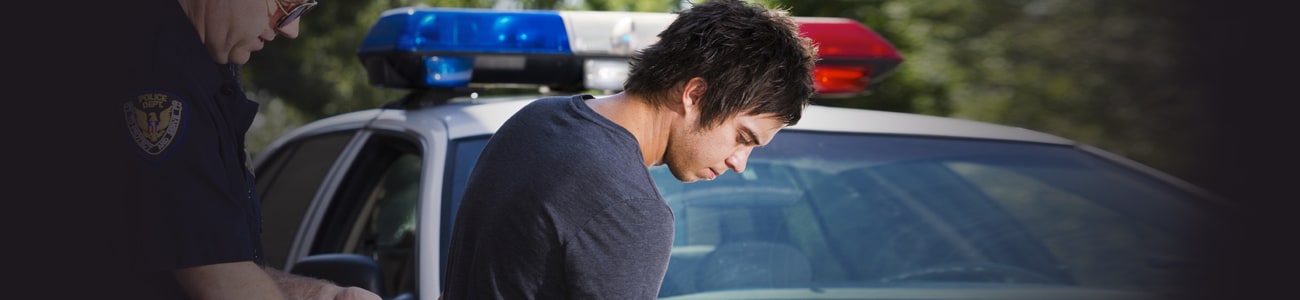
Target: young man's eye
{"x": 744, "y": 140}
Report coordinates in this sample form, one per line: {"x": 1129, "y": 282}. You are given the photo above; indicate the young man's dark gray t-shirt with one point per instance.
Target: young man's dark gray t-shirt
{"x": 560, "y": 206}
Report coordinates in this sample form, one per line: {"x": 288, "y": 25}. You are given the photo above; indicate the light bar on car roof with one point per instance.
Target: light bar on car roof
{"x": 422, "y": 48}
{"x": 852, "y": 55}
{"x": 468, "y": 30}
{"x": 607, "y": 39}
{"x": 449, "y": 48}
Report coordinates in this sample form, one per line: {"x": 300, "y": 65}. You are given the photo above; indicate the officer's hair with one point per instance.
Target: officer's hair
{"x": 753, "y": 60}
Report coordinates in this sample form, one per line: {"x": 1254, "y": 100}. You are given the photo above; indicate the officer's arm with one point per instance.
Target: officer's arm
{"x": 236, "y": 280}
{"x": 302, "y": 287}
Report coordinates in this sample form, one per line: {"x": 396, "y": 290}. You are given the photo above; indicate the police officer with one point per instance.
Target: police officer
{"x": 195, "y": 218}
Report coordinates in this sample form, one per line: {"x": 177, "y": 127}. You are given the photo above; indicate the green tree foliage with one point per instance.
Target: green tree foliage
{"x": 319, "y": 74}
{"x": 632, "y": 5}
{"x": 1106, "y": 73}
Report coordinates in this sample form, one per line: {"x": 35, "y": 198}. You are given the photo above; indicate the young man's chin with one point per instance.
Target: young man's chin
{"x": 688, "y": 178}
{"x": 684, "y": 178}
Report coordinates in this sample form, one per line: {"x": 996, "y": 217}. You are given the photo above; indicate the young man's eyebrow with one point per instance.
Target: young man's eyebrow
{"x": 751, "y": 136}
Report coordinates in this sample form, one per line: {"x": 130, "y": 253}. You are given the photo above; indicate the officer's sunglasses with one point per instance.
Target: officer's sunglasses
{"x": 294, "y": 11}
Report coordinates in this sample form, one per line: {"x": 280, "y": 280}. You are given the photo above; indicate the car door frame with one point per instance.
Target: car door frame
{"x": 430, "y": 134}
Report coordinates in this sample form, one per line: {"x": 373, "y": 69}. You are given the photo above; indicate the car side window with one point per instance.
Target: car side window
{"x": 387, "y": 230}
{"x": 375, "y": 209}
{"x": 287, "y": 183}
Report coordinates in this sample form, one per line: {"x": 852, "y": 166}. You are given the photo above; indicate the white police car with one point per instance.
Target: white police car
{"x": 848, "y": 204}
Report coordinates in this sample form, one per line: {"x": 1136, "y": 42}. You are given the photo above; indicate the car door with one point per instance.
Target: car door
{"x": 344, "y": 191}
{"x": 374, "y": 208}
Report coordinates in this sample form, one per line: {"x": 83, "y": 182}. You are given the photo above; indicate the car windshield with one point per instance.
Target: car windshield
{"x": 825, "y": 215}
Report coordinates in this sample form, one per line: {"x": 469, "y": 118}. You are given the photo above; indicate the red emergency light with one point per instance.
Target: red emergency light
{"x": 852, "y": 55}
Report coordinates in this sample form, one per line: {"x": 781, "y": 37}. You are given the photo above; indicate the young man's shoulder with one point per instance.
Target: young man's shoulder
{"x": 560, "y": 135}
{"x": 551, "y": 103}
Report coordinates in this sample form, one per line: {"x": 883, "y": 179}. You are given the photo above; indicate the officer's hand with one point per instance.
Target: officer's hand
{"x": 355, "y": 293}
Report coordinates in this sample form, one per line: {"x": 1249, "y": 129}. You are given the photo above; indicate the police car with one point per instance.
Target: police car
{"x": 847, "y": 204}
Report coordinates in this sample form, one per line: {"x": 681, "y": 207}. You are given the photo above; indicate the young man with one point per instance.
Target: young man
{"x": 561, "y": 204}
{"x": 195, "y": 220}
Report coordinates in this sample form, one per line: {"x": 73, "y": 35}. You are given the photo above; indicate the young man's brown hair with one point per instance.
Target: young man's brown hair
{"x": 746, "y": 69}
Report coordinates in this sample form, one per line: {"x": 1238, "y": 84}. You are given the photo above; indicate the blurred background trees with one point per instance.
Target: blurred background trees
{"x": 1107, "y": 73}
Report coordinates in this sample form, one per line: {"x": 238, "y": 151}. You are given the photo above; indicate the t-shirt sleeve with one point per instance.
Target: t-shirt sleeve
{"x": 622, "y": 253}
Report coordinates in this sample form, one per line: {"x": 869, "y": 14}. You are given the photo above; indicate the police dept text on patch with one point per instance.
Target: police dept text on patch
{"x": 155, "y": 120}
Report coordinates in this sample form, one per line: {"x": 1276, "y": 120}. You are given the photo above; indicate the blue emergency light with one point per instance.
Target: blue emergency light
{"x": 468, "y": 30}
{"x": 423, "y": 48}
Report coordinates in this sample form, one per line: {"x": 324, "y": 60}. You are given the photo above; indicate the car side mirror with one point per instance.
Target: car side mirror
{"x": 344, "y": 269}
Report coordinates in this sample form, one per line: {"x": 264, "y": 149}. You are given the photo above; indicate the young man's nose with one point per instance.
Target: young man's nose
{"x": 738, "y": 160}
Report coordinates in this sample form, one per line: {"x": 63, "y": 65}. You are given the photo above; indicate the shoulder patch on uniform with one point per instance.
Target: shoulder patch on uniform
{"x": 156, "y": 120}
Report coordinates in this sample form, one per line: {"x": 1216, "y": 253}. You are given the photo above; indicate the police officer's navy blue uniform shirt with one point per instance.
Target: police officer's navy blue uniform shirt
{"x": 560, "y": 206}
{"x": 183, "y": 121}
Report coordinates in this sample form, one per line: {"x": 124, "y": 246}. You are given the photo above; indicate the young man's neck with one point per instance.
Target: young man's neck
{"x": 648, "y": 123}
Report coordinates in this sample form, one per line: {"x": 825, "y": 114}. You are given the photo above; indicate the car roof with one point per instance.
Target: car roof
{"x": 485, "y": 116}
{"x": 838, "y": 119}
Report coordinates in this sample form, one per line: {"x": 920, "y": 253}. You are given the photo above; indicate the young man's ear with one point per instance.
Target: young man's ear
{"x": 691, "y": 93}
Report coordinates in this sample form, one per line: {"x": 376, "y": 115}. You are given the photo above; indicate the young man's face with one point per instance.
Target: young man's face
{"x": 694, "y": 153}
